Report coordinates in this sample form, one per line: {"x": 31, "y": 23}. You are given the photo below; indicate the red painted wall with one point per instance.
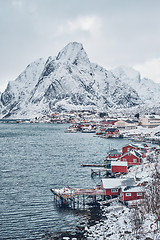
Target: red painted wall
{"x": 122, "y": 169}
{"x": 132, "y": 197}
{"x": 109, "y": 192}
{"x": 125, "y": 149}
{"x": 130, "y": 161}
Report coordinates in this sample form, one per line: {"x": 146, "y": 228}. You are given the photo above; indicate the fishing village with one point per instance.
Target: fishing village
{"x": 126, "y": 179}
{"x": 125, "y": 174}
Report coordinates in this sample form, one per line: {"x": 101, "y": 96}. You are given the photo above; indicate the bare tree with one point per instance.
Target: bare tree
{"x": 138, "y": 219}
{"x": 151, "y": 202}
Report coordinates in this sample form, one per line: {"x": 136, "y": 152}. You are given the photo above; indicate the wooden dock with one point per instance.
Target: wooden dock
{"x": 105, "y": 171}
{"x": 92, "y": 165}
{"x": 73, "y": 196}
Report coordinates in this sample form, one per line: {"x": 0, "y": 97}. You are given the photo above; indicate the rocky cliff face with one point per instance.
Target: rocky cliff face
{"x": 67, "y": 81}
{"x": 147, "y": 89}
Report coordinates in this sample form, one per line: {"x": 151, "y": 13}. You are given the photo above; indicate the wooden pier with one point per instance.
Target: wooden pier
{"x": 92, "y": 165}
{"x": 73, "y": 196}
{"x": 105, "y": 171}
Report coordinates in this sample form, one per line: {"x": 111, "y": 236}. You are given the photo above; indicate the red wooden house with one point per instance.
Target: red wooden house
{"x": 112, "y": 186}
{"x": 133, "y": 157}
{"x": 132, "y": 193}
{"x": 112, "y": 132}
{"x": 119, "y": 166}
{"x": 129, "y": 147}
{"x": 114, "y": 154}
{"x": 108, "y": 123}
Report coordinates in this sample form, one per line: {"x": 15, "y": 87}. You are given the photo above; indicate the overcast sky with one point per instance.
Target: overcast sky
{"x": 113, "y": 33}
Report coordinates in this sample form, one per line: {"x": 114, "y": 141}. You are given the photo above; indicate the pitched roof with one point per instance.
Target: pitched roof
{"x": 119, "y": 163}
{"x": 133, "y": 152}
{"x": 109, "y": 183}
{"x": 133, "y": 189}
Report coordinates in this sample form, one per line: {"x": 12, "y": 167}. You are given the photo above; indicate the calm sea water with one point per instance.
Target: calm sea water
{"x": 35, "y": 158}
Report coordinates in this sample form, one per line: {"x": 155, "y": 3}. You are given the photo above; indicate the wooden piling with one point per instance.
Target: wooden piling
{"x": 83, "y": 200}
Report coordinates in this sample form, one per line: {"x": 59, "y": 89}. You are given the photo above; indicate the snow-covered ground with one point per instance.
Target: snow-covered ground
{"x": 117, "y": 221}
{"x": 117, "y": 224}
{"x": 150, "y": 132}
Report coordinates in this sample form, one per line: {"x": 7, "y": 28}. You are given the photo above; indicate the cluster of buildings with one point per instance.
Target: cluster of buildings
{"x": 132, "y": 154}
{"x": 125, "y": 189}
{"x": 119, "y": 163}
{"x": 103, "y": 119}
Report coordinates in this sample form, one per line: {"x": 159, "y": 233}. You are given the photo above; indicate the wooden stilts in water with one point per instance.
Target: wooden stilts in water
{"x": 64, "y": 201}
{"x": 59, "y": 199}
{"x": 94, "y": 198}
{"x": 78, "y": 201}
{"x": 83, "y": 200}
{"x": 73, "y": 201}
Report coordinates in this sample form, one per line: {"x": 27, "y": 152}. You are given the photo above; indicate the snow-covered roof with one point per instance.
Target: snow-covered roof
{"x": 133, "y": 152}
{"x": 119, "y": 163}
{"x": 133, "y": 189}
{"x": 109, "y": 183}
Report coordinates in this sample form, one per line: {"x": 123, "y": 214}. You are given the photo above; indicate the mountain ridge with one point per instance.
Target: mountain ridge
{"x": 65, "y": 82}
{"x": 147, "y": 89}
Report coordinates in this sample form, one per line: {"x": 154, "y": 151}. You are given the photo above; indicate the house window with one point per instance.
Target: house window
{"x": 128, "y": 194}
{"x": 124, "y": 159}
{"x": 139, "y": 194}
{"x": 129, "y": 154}
{"x": 114, "y": 190}
{"x": 134, "y": 160}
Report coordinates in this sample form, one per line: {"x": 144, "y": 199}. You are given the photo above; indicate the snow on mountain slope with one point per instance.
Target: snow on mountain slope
{"x": 67, "y": 81}
{"x": 147, "y": 89}
{"x": 19, "y": 91}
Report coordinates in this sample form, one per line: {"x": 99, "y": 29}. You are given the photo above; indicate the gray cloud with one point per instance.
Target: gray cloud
{"x": 113, "y": 32}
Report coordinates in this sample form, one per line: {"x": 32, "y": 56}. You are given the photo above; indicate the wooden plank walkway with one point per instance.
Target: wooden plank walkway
{"x": 92, "y": 165}
{"x": 74, "y": 195}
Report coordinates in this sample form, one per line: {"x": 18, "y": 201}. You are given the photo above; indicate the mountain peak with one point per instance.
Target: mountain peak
{"x": 73, "y": 53}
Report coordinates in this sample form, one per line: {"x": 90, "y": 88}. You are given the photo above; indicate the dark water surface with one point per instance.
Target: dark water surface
{"x": 35, "y": 158}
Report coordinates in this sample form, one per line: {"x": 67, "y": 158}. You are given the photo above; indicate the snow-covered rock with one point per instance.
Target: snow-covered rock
{"x": 147, "y": 89}
{"x": 66, "y": 82}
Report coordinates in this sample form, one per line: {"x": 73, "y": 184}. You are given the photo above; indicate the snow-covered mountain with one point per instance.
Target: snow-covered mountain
{"x": 67, "y": 81}
{"x": 148, "y": 90}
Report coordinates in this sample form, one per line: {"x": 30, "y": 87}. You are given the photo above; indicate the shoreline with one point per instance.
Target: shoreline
{"x": 93, "y": 215}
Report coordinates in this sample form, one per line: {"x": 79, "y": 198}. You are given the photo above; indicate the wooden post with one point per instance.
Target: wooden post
{"x": 94, "y": 198}
{"x": 78, "y": 202}
{"x": 64, "y": 201}
{"x": 59, "y": 200}
{"x": 83, "y": 200}
{"x": 73, "y": 201}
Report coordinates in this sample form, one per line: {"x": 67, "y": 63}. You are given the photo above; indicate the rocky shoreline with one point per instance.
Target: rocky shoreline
{"x": 94, "y": 215}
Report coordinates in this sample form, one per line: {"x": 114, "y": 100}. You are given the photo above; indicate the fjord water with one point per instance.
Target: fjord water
{"x": 35, "y": 158}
